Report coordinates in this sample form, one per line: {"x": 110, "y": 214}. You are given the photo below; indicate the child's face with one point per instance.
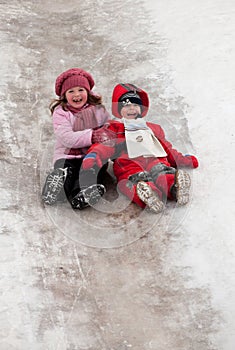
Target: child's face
{"x": 76, "y": 96}
{"x": 130, "y": 111}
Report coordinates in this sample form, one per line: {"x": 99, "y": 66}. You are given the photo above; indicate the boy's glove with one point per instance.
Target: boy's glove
{"x": 190, "y": 161}
{"x": 102, "y": 135}
{"x": 90, "y": 160}
{"x": 99, "y": 156}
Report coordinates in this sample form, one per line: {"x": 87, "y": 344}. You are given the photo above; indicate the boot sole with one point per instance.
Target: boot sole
{"x": 88, "y": 197}
{"x": 93, "y": 194}
{"x": 53, "y": 186}
{"x": 149, "y": 197}
{"x": 182, "y": 184}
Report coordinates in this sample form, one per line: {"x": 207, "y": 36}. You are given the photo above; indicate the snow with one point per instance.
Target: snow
{"x": 114, "y": 276}
{"x": 201, "y": 55}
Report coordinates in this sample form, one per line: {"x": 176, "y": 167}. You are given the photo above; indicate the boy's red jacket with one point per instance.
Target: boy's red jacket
{"x": 117, "y": 148}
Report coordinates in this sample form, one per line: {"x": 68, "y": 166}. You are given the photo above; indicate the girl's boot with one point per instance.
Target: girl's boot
{"x": 54, "y": 185}
{"x": 88, "y": 197}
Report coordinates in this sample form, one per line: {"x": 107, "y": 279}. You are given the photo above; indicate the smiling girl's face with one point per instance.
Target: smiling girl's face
{"x": 76, "y": 96}
{"x": 130, "y": 111}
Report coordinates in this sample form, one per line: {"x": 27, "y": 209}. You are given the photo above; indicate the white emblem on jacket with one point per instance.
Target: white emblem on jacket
{"x": 140, "y": 140}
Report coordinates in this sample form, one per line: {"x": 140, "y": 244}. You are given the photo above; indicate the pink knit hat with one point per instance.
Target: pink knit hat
{"x": 71, "y": 78}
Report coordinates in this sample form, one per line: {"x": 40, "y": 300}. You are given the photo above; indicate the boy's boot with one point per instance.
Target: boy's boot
{"x": 54, "y": 185}
{"x": 149, "y": 197}
{"x": 88, "y": 196}
{"x": 182, "y": 187}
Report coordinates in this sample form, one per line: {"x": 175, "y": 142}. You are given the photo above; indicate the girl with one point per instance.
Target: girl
{"x": 145, "y": 163}
{"x": 78, "y": 119}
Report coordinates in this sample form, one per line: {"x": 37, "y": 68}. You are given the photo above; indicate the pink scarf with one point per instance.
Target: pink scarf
{"x": 84, "y": 118}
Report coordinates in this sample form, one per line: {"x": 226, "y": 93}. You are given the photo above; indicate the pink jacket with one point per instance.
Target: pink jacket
{"x": 69, "y": 143}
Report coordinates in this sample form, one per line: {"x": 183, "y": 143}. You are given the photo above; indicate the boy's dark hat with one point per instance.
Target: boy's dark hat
{"x": 121, "y": 92}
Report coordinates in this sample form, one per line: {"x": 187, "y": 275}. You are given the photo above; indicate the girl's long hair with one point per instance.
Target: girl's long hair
{"x": 62, "y": 101}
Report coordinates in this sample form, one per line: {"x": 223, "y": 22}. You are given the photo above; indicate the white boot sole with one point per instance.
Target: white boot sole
{"x": 149, "y": 197}
{"x": 183, "y": 184}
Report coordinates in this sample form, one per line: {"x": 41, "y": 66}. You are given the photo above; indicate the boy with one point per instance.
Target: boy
{"x": 144, "y": 162}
